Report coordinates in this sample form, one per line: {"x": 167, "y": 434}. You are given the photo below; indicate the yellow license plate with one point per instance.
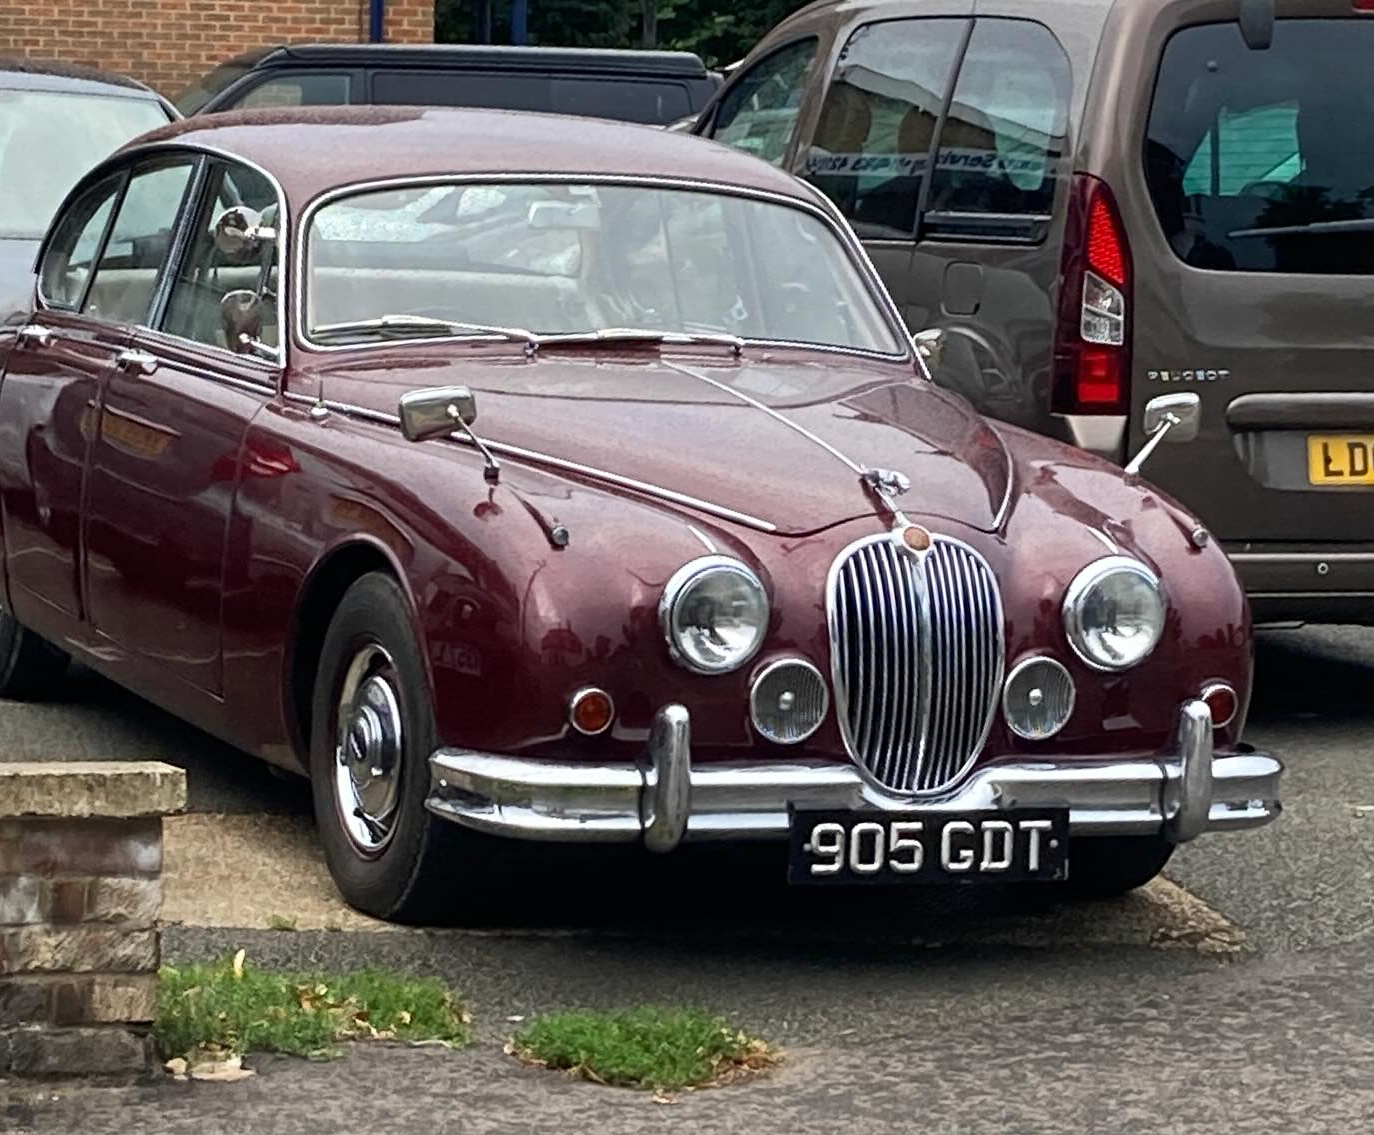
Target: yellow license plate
{"x": 1340, "y": 459}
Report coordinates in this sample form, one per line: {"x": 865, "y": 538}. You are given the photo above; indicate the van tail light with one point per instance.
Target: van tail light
{"x": 1092, "y": 355}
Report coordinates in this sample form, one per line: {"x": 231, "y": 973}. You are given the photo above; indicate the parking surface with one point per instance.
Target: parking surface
{"x": 1232, "y": 997}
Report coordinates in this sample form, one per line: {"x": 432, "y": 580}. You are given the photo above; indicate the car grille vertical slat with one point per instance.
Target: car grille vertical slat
{"x": 917, "y": 643}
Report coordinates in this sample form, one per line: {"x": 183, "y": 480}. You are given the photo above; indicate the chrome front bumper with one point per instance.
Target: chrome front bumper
{"x": 666, "y": 800}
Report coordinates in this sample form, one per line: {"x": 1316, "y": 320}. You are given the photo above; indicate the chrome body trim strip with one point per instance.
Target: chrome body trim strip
{"x": 646, "y": 487}
{"x": 565, "y": 800}
{"x": 822, "y": 209}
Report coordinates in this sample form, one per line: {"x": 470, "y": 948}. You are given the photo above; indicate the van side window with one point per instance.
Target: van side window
{"x": 759, "y": 112}
{"x": 1002, "y": 147}
{"x": 869, "y": 152}
{"x": 1263, "y": 161}
{"x": 313, "y": 89}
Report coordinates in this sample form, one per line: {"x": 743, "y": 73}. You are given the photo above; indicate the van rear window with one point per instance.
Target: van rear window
{"x": 1263, "y": 161}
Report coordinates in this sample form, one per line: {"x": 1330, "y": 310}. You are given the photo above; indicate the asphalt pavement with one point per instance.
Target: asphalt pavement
{"x": 1233, "y": 998}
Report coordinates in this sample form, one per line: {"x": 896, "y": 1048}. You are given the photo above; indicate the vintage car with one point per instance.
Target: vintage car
{"x": 518, "y": 481}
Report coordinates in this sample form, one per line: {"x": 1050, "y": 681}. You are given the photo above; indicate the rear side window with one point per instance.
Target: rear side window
{"x": 299, "y": 90}
{"x": 869, "y": 151}
{"x": 1002, "y": 147}
{"x": 648, "y": 101}
{"x": 1263, "y": 161}
{"x": 760, "y": 110}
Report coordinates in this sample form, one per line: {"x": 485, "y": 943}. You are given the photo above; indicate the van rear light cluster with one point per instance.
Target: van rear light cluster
{"x": 1092, "y": 344}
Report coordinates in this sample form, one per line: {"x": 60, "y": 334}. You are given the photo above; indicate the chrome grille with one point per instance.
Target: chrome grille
{"x": 917, "y": 651}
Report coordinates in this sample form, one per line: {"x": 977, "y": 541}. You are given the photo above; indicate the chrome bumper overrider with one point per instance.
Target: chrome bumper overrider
{"x": 666, "y": 799}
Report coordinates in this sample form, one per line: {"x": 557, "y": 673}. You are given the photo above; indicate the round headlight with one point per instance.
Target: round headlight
{"x": 715, "y": 614}
{"x": 1114, "y": 613}
{"x": 1038, "y": 698}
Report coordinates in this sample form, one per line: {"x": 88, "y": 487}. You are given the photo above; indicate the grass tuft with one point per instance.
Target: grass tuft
{"x": 653, "y": 1048}
{"x": 233, "y": 1008}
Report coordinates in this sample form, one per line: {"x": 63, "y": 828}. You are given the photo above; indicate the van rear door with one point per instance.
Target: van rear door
{"x": 1252, "y": 238}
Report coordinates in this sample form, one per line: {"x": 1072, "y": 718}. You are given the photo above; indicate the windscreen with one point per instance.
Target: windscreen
{"x": 49, "y": 139}
{"x": 1263, "y": 161}
{"x": 558, "y": 258}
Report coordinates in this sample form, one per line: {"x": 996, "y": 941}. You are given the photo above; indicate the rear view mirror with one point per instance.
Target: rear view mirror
{"x": 241, "y": 232}
{"x": 436, "y": 412}
{"x": 581, "y": 216}
{"x": 1170, "y": 417}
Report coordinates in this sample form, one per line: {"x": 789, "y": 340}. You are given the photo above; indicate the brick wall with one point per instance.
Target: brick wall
{"x": 80, "y": 896}
{"x": 169, "y": 43}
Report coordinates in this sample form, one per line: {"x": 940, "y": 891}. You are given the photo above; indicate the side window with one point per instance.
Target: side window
{"x": 75, "y": 244}
{"x": 126, "y": 277}
{"x": 207, "y": 274}
{"x": 760, "y": 111}
{"x": 869, "y": 152}
{"x": 1002, "y": 149}
{"x": 299, "y": 90}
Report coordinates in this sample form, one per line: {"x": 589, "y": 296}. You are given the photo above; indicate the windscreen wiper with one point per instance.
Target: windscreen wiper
{"x": 419, "y": 326}
{"x": 1315, "y": 228}
{"x": 643, "y": 335}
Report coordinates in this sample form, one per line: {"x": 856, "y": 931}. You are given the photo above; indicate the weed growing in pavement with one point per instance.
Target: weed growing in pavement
{"x": 654, "y": 1048}
{"x": 233, "y": 1008}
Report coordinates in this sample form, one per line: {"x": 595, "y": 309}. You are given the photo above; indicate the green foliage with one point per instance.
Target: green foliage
{"x": 647, "y": 1047}
{"x": 232, "y": 1008}
{"x": 720, "y": 31}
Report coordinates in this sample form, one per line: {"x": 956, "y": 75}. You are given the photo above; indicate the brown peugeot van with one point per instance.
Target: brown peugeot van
{"x": 1090, "y": 204}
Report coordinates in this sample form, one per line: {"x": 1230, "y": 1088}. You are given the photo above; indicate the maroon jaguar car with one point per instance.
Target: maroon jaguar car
{"x": 519, "y": 479}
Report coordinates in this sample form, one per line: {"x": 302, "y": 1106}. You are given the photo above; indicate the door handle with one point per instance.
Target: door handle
{"x": 36, "y": 335}
{"x": 136, "y": 362}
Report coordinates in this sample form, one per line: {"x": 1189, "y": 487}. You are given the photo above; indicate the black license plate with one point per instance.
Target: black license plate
{"x": 1015, "y": 846}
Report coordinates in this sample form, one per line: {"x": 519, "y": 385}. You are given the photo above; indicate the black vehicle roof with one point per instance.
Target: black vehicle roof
{"x": 55, "y": 75}
{"x": 681, "y": 64}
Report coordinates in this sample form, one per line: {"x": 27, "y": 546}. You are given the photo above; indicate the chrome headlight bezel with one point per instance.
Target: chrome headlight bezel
{"x": 679, "y": 586}
{"x": 1081, "y": 590}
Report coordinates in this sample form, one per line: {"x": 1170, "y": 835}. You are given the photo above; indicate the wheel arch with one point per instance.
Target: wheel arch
{"x": 321, "y": 592}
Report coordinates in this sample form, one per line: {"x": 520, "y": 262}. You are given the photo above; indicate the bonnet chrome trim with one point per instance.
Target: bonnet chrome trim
{"x": 648, "y": 488}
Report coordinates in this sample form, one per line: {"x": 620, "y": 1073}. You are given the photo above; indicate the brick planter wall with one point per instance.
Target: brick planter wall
{"x": 80, "y": 895}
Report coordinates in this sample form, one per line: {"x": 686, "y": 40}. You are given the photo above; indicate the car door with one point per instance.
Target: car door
{"x": 48, "y": 398}
{"x": 165, "y": 463}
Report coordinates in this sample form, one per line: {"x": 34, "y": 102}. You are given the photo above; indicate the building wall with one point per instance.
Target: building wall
{"x": 169, "y": 43}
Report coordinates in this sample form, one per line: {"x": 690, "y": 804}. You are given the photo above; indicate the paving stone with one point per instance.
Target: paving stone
{"x": 78, "y": 1052}
{"x": 23, "y": 1002}
{"x": 19, "y": 900}
{"x": 85, "y": 949}
{"x": 82, "y": 789}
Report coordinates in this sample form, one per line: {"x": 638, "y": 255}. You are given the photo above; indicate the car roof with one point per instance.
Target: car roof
{"x": 312, "y": 150}
{"x": 55, "y": 75}
{"x": 680, "y": 64}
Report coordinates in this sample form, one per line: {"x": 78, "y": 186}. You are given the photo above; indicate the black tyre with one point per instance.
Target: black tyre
{"x": 372, "y": 732}
{"x": 30, "y": 667}
{"x": 1112, "y": 865}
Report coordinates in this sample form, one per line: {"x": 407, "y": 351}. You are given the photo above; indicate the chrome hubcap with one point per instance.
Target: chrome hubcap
{"x": 368, "y": 750}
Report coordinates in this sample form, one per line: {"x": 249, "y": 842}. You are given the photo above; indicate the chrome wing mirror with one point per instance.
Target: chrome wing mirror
{"x": 1172, "y": 417}
{"x": 438, "y": 411}
{"x": 930, "y": 345}
{"x": 240, "y": 232}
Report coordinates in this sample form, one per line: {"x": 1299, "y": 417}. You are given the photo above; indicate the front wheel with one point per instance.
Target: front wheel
{"x": 372, "y": 732}
{"x": 1112, "y": 865}
{"x": 30, "y": 667}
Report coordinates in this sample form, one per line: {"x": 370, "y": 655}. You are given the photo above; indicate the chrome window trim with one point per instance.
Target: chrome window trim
{"x": 283, "y": 243}
{"x": 925, "y": 678}
{"x": 648, "y": 488}
{"x": 158, "y": 340}
{"x": 823, "y": 210}
{"x": 1072, "y": 607}
{"x": 768, "y": 668}
{"x": 1033, "y": 660}
{"x": 672, "y": 592}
